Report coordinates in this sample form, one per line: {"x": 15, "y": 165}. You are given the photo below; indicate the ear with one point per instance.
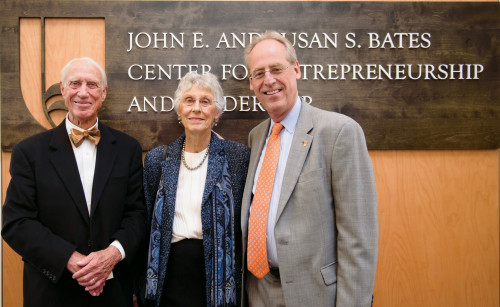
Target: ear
{"x": 296, "y": 68}
{"x": 217, "y": 114}
{"x": 104, "y": 92}
{"x": 61, "y": 86}
{"x": 251, "y": 85}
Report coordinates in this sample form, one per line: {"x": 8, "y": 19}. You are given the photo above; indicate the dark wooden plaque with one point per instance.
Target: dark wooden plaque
{"x": 415, "y": 75}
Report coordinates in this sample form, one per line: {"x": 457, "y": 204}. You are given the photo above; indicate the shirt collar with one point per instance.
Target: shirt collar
{"x": 290, "y": 120}
{"x": 70, "y": 125}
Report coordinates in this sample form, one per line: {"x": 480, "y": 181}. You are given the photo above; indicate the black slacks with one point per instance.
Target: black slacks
{"x": 185, "y": 277}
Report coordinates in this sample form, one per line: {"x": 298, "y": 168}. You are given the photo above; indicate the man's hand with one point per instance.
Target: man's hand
{"x": 72, "y": 265}
{"x": 95, "y": 269}
{"x": 98, "y": 291}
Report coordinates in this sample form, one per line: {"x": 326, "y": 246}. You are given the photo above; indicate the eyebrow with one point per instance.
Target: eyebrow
{"x": 271, "y": 66}
{"x": 190, "y": 95}
{"x": 79, "y": 80}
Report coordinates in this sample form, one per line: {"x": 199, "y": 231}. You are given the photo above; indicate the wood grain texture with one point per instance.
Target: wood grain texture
{"x": 404, "y": 114}
{"x": 395, "y": 114}
{"x": 30, "y": 33}
{"x": 84, "y": 38}
{"x": 439, "y": 223}
{"x": 80, "y": 38}
{"x": 12, "y": 265}
{"x": 439, "y": 228}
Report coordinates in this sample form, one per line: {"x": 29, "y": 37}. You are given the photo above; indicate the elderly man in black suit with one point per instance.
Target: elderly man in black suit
{"x": 74, "y": 208}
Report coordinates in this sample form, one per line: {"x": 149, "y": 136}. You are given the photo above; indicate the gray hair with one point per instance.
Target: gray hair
{"x": 291, "y": 55}
{"x": 206, "y": 81}
{"x": 64, "y": 71}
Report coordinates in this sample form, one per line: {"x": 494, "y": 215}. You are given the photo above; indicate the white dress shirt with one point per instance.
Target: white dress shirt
{"x": 286, "y": 135}
{"x": 85, "y": 156}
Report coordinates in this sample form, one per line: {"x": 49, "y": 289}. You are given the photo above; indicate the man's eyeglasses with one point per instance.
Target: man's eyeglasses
{"x": 275, "y": 71}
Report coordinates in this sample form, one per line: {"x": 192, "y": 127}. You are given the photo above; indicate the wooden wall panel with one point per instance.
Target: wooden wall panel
{"x": 401, "y": 113}
{"x": 85, "y": 37}
{"x": 30, "y": 33}
{"x": 439, "y": 228}
{"x": 12, "y": 266}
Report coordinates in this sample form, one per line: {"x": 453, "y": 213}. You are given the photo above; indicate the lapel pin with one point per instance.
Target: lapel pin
{"x": 304, "y": 144}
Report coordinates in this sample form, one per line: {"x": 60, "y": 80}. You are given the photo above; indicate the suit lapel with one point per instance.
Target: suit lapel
{"x": 105, "y": 158}
{"x": 301, "y": 143}
{"x": 63, "y": 160}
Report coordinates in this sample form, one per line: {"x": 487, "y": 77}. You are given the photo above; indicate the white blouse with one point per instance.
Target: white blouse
{"x": 190, "y": 187}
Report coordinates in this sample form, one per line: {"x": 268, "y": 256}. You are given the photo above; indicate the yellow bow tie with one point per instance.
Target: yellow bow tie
{"x": 77, "y": 136}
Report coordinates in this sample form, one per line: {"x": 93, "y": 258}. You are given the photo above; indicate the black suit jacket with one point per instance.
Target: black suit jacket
{"x": 45, "y": 216}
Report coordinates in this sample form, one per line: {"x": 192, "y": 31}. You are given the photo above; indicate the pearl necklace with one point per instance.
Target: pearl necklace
{"x": 184, "y": 159}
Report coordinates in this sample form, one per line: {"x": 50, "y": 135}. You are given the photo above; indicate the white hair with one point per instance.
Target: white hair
{"x": 64, "y": 71}
{"x": 206, "y": 81}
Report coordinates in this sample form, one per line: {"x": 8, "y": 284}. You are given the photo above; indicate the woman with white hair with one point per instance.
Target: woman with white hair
{"x": 193, "y": 189}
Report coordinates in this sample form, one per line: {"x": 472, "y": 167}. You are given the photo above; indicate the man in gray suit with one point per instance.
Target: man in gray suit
{"x": 322, "y": 222}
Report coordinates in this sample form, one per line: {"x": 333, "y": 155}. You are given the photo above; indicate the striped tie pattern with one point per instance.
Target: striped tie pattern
{"x": 257, "y": 252}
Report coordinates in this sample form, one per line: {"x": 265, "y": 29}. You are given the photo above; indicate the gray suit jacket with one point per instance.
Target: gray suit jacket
{"x": 327, "y": 223}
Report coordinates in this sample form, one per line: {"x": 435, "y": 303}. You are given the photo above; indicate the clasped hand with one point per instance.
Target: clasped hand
{"x": 92, "y": 271}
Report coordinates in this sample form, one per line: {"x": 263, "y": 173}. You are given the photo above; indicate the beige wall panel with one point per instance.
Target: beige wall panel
{"x": 12, "y": 266}
{"x": 30, "y": 33}
{"x": 439, "y": 228}
{"x": 80, "y": 38}
{"x": 5, "y": 173}
{"x": 12, "y": 271}
{"x": 67, "y": 38}
{"x": 439, "y": 239}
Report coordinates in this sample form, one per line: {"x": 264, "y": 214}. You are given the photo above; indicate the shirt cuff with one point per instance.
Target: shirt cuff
{"x": 119, "y": 246}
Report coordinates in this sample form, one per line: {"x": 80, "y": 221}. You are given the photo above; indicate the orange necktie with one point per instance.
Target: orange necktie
{"x": 78, "y": 136}
{"x": 257, "y": 252}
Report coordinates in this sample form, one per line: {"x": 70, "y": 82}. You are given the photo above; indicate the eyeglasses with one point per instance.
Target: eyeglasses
{"x": 275, "y": 71}
{"x": 204, "y": 102}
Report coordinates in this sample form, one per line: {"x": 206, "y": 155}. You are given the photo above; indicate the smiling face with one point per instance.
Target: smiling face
{"x": 82, "y": 93}
{"x": 197, "y": 110}
{"x": 276, "y": 92}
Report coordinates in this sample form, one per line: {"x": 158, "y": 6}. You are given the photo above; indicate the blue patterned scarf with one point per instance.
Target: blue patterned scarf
{"x": 154, "y": 245}
{"x": 222, "y": 267}
{"x": 223, "y": 284}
